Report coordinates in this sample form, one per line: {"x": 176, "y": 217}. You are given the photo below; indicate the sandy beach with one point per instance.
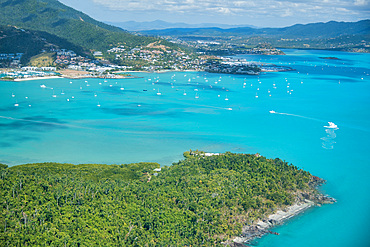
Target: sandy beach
{"x": 37, "y": 78}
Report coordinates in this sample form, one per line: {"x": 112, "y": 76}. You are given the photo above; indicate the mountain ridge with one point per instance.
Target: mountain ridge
{"x": 159, "y": 24}
{"x": 312, "y": 30}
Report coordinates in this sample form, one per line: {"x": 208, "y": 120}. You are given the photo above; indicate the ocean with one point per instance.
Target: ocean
{"x": 158, "y": 116}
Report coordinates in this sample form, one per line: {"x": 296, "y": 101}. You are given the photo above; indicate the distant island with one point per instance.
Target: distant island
{"x": 213, "y": 199}
{"x": 330, "y": 58}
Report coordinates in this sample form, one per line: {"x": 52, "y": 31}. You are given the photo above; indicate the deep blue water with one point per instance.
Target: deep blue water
{"x": 134, "y": 124}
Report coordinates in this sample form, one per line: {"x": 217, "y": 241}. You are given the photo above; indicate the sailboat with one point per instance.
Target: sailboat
{"x": 158, "y": 93}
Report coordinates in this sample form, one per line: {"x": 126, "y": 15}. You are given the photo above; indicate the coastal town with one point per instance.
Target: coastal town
{"x": 120, "y": 59}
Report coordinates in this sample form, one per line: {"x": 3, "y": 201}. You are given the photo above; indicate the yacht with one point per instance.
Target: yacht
{"x": 42, "y": 86}
{"x": 272, "y": 111}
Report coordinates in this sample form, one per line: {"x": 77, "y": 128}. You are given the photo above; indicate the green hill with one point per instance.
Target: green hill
{"x": 55, "y": 18}
{"x": 31, "y": 43}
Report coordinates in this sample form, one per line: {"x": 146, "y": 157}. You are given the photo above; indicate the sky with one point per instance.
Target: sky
{"x": 260, "y": 13}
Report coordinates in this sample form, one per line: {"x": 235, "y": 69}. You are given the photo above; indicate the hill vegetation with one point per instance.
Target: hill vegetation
{"x": 43, "y": 60}
{"x": 31, "y": 43}
{"x": 57, "y": 19}
{"x": 198, "y": 201}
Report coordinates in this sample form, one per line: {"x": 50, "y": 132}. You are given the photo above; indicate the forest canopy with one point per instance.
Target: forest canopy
{"x": 199, "y": 201}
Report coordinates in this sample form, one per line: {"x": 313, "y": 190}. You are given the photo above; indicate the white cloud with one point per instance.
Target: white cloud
{"x": 330, "y": 9}
{"x": 361, "y": 2}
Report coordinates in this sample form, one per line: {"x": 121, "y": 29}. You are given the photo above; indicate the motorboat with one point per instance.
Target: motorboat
{"x": 331, "y": 125}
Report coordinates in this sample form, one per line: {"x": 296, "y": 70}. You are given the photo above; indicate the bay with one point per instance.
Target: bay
{"x": 150, "y": 119}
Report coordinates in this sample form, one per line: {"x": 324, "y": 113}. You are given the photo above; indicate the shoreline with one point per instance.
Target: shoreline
{"x": 67, "y": 77}
{"x": 261, "y": 227}
{"x": 37, "y": 78}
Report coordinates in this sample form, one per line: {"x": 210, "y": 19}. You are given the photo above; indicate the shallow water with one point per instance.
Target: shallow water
{"x": 134, "y": 124}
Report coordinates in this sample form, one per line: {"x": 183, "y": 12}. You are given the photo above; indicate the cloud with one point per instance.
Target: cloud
{"x": 256, "y": 12}
{"x": 227, "y": 7}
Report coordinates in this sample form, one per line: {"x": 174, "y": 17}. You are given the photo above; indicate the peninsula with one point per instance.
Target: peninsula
{"x": 206, "y": 199}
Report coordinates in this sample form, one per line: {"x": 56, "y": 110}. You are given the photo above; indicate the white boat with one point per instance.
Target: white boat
{"x": 158, "y": 93}
{"x": 331, "y": 125}
{"x": 42, "y": 86}
{"x": 272, "y": 111}
{"x": 196, "y": 96}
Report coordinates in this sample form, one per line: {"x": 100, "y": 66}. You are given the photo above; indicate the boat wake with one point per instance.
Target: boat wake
{"x": 328, "y": 140}
{"x": 294, "y": 115}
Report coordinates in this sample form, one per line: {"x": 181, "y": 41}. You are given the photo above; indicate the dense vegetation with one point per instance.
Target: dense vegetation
{"x": 31, "y": 43}
{"x": 55, "y": 18}
{"x": 199, "y": 201}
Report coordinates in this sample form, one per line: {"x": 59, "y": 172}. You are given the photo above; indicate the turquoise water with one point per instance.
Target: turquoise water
{"x": 134, "y": 124}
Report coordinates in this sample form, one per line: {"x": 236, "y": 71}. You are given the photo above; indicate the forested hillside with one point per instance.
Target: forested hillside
{"x": 55, "y": 18}
{"x": 199, "y": 201}
{"x": 31, "y": 43}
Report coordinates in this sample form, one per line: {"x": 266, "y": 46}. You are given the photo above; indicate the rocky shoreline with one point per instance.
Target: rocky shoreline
{"x": 304, "y": 201}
